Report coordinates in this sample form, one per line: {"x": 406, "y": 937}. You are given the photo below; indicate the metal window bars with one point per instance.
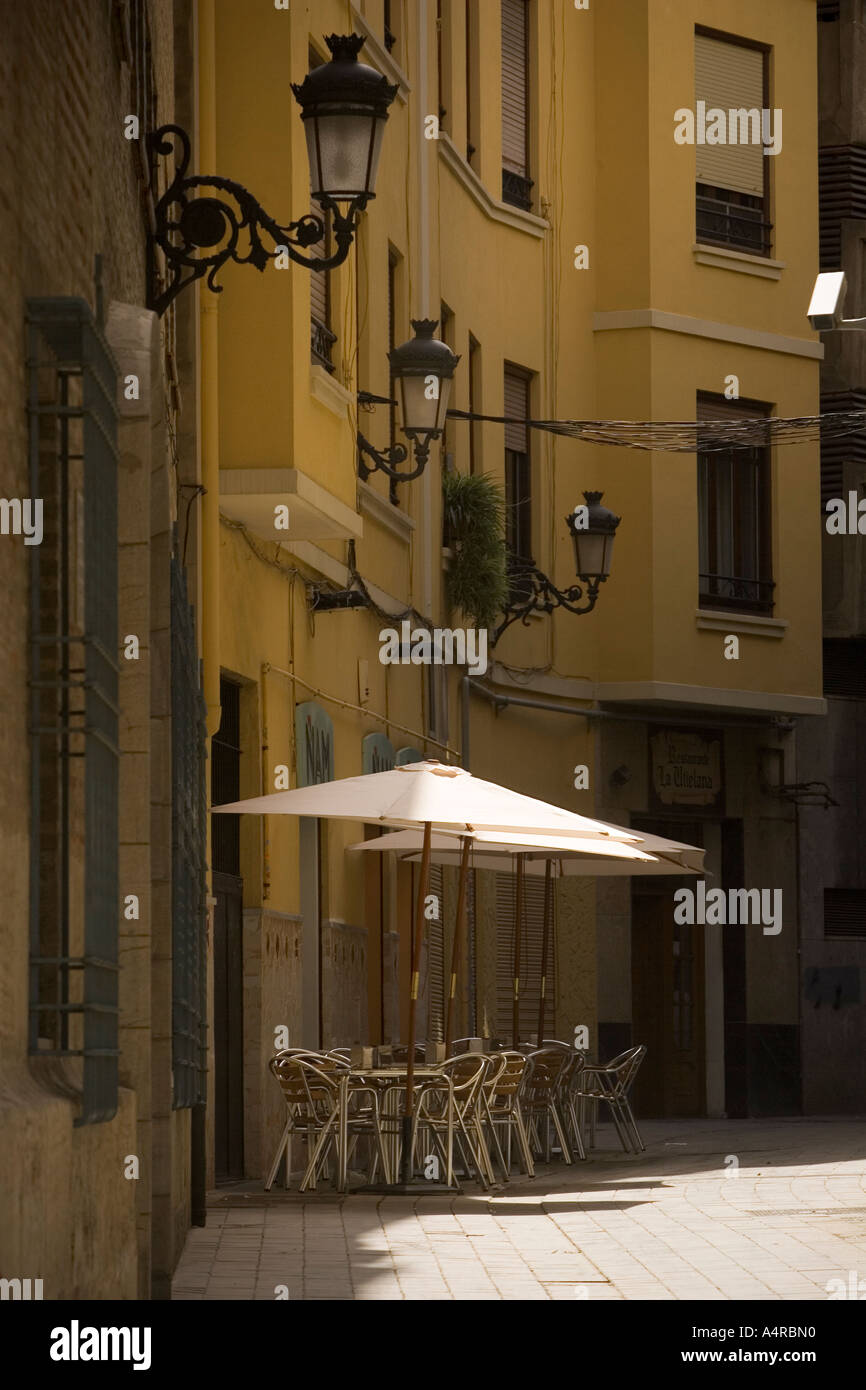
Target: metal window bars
{"x": 188, "y": 841}
{"x": 74, "y": 902}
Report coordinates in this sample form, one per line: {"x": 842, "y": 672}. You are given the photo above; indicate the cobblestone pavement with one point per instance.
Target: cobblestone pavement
{"x": 714, "y": 1209}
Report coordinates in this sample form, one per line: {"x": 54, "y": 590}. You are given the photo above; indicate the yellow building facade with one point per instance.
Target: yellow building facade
{"x": 607, "y": 277}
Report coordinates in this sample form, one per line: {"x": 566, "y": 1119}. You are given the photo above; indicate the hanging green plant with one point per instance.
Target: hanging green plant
{"x": 473, "y": 527}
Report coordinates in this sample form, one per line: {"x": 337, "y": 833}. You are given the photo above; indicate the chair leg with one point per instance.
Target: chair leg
{"x": 325, "y": 1137}
{"x": 497, "y": 1144}
{"x": 283, "y": 1144}
{"x": 523, "y": 1142}
{"x": 560, "y": 1132}
{"x": 641, "y": 1146}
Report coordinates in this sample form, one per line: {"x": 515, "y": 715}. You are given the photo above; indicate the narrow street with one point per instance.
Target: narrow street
{"x": 746, "y": 1209}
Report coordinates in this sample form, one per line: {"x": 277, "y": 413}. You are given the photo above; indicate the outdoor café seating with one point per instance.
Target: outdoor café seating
{"x": 492, "y": 1108}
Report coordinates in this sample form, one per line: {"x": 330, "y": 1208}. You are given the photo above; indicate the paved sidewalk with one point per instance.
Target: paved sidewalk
{"x": 714, "y": 1209}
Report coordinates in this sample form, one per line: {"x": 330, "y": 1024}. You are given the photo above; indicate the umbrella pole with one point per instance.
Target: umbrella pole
{"x": 518, "y": 923}
{"x": 545, "y": 933}
{"x": 413, "y": 1000}
{"x": 458, "y": 941}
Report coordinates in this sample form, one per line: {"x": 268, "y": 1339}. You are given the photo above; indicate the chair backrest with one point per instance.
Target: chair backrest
{"x": 467, "y": 1072}
{"x": 309, "y": 1084}
{"x": 548, "y": 1068}
{"x": 506, "y": 1087}
{"x": 627, "y": 1067}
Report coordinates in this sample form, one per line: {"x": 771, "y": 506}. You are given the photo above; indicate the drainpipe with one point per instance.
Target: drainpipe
{"x": 210, "y": 522}
{"x": 425, "y": 147}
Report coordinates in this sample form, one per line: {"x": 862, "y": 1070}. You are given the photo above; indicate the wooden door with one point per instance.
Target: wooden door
{"x": 668, "y": 1008}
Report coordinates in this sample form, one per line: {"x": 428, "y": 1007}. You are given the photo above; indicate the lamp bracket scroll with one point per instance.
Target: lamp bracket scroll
{"x": 532, "y": 592}
{"x": 199, "y": 232}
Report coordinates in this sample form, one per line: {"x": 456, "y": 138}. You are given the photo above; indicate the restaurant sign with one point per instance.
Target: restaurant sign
{"x": 686, "y": 768}
{"x": 377, "y": 753}
{"x": 314, "y": 740}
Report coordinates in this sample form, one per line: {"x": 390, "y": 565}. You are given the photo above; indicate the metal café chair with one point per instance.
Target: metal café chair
{"x": 502, "y": 1108}
{"x": 541, "y": 1098}
{"x": 611, "y": 1083}
{"x": 569, "y": 1102}
{"x": 454, "y": 1109}
{"x": 330, "y": 1109}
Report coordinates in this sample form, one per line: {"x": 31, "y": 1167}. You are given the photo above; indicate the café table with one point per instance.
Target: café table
{"x": 391, "y": 1083}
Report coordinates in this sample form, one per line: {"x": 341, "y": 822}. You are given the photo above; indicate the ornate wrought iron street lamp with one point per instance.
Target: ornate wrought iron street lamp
{"x": 344, "y": 107}
{"x": 593, "y": 528}
{"x": 422, "y": 369}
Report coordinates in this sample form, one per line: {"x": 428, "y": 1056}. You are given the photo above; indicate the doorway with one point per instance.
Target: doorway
{"x": 668, "y": 994}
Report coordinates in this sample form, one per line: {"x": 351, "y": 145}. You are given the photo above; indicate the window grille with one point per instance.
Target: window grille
{"x": 188, "y": 825}
{"x": 74, "y": 889}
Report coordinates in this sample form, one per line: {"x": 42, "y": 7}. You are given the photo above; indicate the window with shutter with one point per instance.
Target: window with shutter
{"x": 734, "y": 516}
{"x": 531, "y": 938}
{"x": 518, "y": 471}
{"x": 472, "y": 136}
{"x": 435, "y": 963}
{"x": 732, "y": 184}
{"x": 321, "y": 338}
{"x": 516, "y": 183}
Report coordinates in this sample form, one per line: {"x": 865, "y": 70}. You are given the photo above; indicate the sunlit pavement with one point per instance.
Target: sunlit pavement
{"x": 715, "y": 1209}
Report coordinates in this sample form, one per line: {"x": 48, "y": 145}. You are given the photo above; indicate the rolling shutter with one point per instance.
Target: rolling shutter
{"x": 514, "y": 86}
{"x": 433, "y": 967}
{"x": 730, "y": 77}
{"x": 319, "y": 307}
{"x": 516, "y": 408}
{"x": 530, "y": 956}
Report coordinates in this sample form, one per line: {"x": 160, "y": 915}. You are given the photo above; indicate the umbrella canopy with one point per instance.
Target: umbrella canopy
{"x": 493, "y": 849}
{"x": 429, "y": 793}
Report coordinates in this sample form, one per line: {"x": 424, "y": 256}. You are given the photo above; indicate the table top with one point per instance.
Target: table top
{"x": 422, "y": 1070}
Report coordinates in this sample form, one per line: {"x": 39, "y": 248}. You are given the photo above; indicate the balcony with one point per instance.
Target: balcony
{"x": 734, "y": 593}
{"x": 517, "y": 190}
{"x": 732, "y": 219}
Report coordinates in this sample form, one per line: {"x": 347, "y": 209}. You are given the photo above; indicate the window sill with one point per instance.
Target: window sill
{"x": 492, "y": 207}
{"x": 724, "y": 258}
{"x": 747, "y": 624}
{"x": 328, "y": 392}
{"x": 377, "y": 55}
{"x": 371, "y": 503}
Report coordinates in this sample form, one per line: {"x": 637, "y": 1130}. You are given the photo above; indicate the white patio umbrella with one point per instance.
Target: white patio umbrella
{"x": 649, "y": 854}
{"x": 427, "y": 794}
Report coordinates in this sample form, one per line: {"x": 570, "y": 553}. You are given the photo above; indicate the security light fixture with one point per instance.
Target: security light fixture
{"x": 344, "y": 107}
{"x": 828, "y": 299}
{"x": 422, "y": 369}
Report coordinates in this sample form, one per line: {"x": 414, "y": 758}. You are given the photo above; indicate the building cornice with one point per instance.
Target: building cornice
{"x": 618, "y": 320}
